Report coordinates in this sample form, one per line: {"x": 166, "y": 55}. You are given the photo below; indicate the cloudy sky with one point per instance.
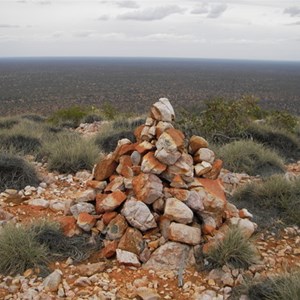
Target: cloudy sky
{"x": 247, "y": 29}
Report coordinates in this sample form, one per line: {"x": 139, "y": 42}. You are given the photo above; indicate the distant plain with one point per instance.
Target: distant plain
{"x": 42, "y": 85}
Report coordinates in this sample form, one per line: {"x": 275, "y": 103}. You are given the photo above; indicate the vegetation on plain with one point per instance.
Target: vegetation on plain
{"x": 234, "y": 250}
{"x": 276, "y": 198}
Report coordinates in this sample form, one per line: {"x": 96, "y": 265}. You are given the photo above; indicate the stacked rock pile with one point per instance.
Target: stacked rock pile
{"x": 158, "y": 198}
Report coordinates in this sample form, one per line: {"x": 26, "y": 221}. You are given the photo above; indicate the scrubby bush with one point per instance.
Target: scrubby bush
{"x": 251, "y": 158}
{"x": 34, "y": 118}
{"x": 50, "y": 235}
{"x": 285, "y": 143}
{"x": 68, "y": 153}
{"x": 128, "y": 124}
{"x": 8, "y": 123}
{"x": 20, "y": 251}
{"x": 22, "y": 143}
{"x": 108, "y": 142}
{"x": 282, "y": 120}
{"x": 234, "y": 250}
{"x": 16, "y": 173}
{"x": 109, "y": 111}
{"x": 229, "y": 118}
{"x": 69, "y": 117}
{"x": 280, "y": 287}
{"x": 272, "y": 199}
{"x": 91, "y": 118}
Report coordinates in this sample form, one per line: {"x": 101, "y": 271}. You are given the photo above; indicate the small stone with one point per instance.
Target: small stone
{"x": 105, "y": 168}
{"x": 202, "y": 168}
{"x": 91, "y": 269}
{"x": 127, "y": 258}
{"x": 162, "y": 110}
{"x": 82, "y": 207}
{"x": 116, "y": 228}
{"x": 97, "y": 185}
{"x": 151, "y": 165}
{"x": 184, "y": 234}
{"x": 177, "y": 211}
{"x": 109, "y": 202}
{"x": 147, "y": 294}
{"x": 132, "y": 241}
{"x": 85, "y": 221}
{"x": 138, "y": 215}
{"x": 69, "y": 226}
{"x": 195, "y": 143}
{"x": 39, "y": 202}
{"x": 86, "y": 196}
{"x": 204, "y": 154}
{"x": 52, "y": 281}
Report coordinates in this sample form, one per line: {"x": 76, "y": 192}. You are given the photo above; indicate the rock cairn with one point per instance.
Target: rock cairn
{"x": 159, "y": 199}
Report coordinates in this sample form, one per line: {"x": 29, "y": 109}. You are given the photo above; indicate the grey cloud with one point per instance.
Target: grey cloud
{"x": 127, "y": 4}
{"x": 217, "y": 10}
{"x": 211, "y": 11}
{"x": 9, "y": 26}
{"x": 200, "y": 10}
{"x": 103, "y": 18}
{"x": 152, "y": 13}
{"x": 293, "y": 11}
{"x": 83, "y": 34}
{"x": 294, "y": 24}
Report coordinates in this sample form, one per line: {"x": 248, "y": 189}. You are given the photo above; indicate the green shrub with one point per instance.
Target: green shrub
{"x": 69, "y": 117}
{"x": 108, "y": 142}
{"x": 59, "y": 246}
{"x": 285, "y": 143}
{"x": 16, "y": 173}
{"x": 22, "y": 143}
{"x": 69, "y": 153}
{"x": 128, "y": 125}
{"x": 109, "y": 111}
{"x": 280, "y": 287}
{"x": 228, "y": 118}
{"x": 251, "y": 158}
{"x": 20, "y": 251}
{"x": 34, "y": 118}
{"x": 282, "y": 120}
{"x": 91, "y": 118}
{"x": 274, "y": 198}
{"x": 234, "y": 250}
{"x": 8, "y": 123}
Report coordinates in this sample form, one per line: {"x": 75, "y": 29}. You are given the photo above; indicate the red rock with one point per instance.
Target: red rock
{"x": 124, "y": 167}
{"x": 132, "y": 241}
{"x": 138, "y": 132}
{"x": 164, "y": 224}
{"x": 162, "y": 110}
{"x": 97, "y": 185}
{"x": 204, "y": 154}
{"x": 127, "y": 258}
{"x": 117, "y": 183}
{"x": 109, "y": 202}
{"x": 214, "y": 187}
{"x": 147, "y": 187}
{"x": 109, "y": 249}
{"x": 215, "y": 171}
{"x": 197, "y": 142}
{"x": 105, "y": 168}
{"x": 179, "y": 194}
{"x": 208, "y": 229}
{"x": 151, "y": 165}
{"x": 68, "y": 225}
{"x": 86, "y": 221}
{"x": 108, "y": 216}
{"x": 144, "y": 147}
{"x": 178, "y": 182}
{"x": 125, "y": 149}
{"x": 162, "y": 127}
{"x": 116, "y": 228}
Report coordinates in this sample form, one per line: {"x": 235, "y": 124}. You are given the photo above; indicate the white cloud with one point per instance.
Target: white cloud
{"x": 152, "y": 13}
{"x": 293, "y": 11}
{"x": 9, "y": 26}
{"x": 203, "y": 9}
{"x": 127, "y": 4}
